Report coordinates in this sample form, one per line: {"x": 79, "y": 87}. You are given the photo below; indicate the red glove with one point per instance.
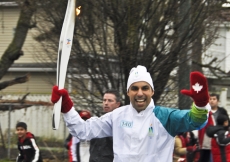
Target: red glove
{"x": 191, "y": 148}
{"x": 198, "y": 89}
{"x": 67, "y": 103}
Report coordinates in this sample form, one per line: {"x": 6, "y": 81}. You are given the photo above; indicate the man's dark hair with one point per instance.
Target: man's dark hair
{"x": 115, "y": 92}
{"x": 215, "y": 95}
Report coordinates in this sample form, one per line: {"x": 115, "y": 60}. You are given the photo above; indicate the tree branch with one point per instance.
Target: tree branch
{"x": 18, "y": 104}
{"x": 213, "y": 70}
{"x": 18, "y": 80}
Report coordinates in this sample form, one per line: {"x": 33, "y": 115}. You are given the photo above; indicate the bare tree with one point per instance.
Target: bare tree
{"x": 14, "y": 50}
{"x": 111, "y": 37}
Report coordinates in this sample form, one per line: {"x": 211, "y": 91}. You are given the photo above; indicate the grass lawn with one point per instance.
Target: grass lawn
{"x": 6, "y": 160}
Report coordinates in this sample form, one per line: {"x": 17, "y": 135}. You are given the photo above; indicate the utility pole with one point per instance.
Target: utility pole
{"x": 2, "y": 138}
{"x": 185, "y": 55}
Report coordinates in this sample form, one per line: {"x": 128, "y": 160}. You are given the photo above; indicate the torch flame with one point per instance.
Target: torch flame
{"x": 78, "y": 10}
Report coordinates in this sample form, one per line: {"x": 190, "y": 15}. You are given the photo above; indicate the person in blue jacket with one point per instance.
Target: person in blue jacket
{"x": 141, "y": 131}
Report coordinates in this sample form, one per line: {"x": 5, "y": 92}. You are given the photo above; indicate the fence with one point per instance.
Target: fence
{"x": 38, "y": 119}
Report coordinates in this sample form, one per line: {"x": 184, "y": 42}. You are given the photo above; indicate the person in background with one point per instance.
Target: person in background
{"x": 27, "y": 146}
{"x": 193, "y": 156}
{"x": 220, "y": 144}
{"x": 141, "y": 131}
{"x": 204, "y": 140}
{"x": 184, "y": 144}
{"x": 101, "y": 149}
{"x": 78, "y": 151}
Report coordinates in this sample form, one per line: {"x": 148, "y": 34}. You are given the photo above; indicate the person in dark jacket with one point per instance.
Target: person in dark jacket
{"x": 204, "y": 140}
{"x": 28, "y": 149}
{"x": 101, "y": 149}
{"x": 220, "y": 139}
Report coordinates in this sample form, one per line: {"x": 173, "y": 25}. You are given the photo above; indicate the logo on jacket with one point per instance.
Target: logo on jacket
{"x": 150, "y": 131}
{"x": 25, "y": 147}
{"x": 126, "y": 124}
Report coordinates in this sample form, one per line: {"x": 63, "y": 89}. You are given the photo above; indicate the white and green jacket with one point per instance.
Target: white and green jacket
{"x": 147, "y": 136}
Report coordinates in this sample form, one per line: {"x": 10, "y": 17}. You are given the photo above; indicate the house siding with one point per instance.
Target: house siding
{"x": 33, "y": 51}
{"x": 220, "y": 49}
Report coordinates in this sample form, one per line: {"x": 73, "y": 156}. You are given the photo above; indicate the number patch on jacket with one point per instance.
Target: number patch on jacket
{"x": 127, "y": 124}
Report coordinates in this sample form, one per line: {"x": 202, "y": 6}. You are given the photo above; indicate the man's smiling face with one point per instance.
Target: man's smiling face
{"x": 140, "y": 95}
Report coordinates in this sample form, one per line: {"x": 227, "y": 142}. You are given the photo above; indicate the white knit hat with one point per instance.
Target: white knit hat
{"x": 138, "y": 74}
